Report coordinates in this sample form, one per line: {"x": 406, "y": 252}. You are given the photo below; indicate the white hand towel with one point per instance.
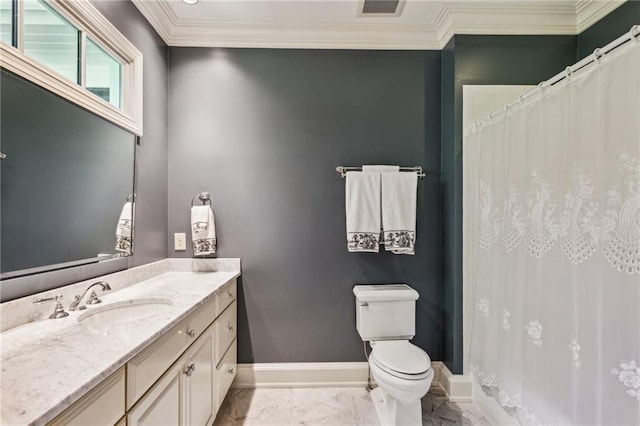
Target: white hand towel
{"x": 203, "y": 230}
{"x": 380, "y": 169}
{"x": 123, "y": 229}
{"x": 399, "y": 199}
{"x": 363, "y": 211}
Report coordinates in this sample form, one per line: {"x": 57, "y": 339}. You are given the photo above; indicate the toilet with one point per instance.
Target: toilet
{"x": 385, "y": 317}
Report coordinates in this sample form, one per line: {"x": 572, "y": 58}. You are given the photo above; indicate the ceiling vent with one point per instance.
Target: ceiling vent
{"x": 380, "y": 7}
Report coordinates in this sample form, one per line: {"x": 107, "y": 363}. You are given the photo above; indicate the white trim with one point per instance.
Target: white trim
{"x": 457, "y": 387}
{"x": 456, "y": 17}
{"x": 301, "y": 375}
{"x": 337, "y": 374}
{"x": 88, "y": 19}
{"x": 159, "y": 15}
{"x": 20, "y": 33}
{"x": 590, "y": 12}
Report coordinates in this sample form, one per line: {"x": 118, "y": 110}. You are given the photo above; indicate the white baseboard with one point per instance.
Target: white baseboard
{"x": 301, "y": 375}
{"x": 337, "y": 374}
{"x": 457, "y": 387}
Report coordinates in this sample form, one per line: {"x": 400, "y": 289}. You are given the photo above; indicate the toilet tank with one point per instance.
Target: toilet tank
{"x": 385, "y": 311}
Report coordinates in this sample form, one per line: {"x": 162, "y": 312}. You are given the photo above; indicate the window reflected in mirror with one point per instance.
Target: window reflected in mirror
{"x": 50, "y": 39}
{"x": 6, "y": 20}
{"x": 103, "y": 74}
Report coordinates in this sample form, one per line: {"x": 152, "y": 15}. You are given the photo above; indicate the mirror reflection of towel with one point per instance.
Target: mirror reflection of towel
{"x": 123, "y": 230}
{"x": 203, "y": 230}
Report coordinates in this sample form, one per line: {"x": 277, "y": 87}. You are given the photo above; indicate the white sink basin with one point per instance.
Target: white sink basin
{"x": 103, "y": 318}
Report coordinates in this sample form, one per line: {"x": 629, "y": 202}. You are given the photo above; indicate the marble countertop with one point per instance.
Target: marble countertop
{"x": 49, "y": 364}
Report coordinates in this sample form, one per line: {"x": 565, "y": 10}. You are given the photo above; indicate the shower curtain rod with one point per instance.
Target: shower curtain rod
{"x": 632, "y": 35}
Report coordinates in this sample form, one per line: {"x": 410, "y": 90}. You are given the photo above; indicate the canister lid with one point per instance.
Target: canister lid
{"x": 384, "y": 292}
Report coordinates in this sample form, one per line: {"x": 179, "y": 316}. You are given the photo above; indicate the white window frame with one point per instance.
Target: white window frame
{"x": 86, "y": 18}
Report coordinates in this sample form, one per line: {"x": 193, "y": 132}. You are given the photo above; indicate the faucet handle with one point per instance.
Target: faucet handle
{"x": 58, "y": 311}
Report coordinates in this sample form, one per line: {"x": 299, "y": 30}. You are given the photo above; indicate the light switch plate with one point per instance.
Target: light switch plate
{"x": 179, "y": 241}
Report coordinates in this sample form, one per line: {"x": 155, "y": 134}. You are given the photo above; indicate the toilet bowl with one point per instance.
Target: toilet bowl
{"x": 385, "y": 317}
{"x": 403, "y": 373}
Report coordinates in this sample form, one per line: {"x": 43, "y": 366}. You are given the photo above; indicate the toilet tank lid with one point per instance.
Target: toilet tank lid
{"x": 384, "y": 292}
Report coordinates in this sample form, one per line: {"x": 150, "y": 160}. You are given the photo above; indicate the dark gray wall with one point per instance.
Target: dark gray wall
{"x": 609, "y": 28}
{"x": 452, "y": 271}
{"x": 480, "y": 60}
{"x": 150, "y": 243}
{"x": 263, "y": 131}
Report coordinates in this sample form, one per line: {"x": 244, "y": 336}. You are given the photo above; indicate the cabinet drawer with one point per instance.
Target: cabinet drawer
{"x": 226, "y": 372}
{"x": 226, "y": 296}
{"x": 104, "y": 405}
{"x": 225, "y": 330}
{"x": 151, "y": 363}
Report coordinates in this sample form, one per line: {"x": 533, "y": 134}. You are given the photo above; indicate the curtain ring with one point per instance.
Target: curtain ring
{"x": 635, "y": 32}
{"x": 597, "y": 54}
{"x": 542, "y": 85}
{"x": 568, "y": 71}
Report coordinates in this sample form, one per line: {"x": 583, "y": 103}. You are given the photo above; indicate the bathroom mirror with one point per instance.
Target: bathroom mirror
{"x": 66, "y": 177}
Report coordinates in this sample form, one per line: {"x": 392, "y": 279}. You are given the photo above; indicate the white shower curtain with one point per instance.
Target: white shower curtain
{"x": 556, "y": 323}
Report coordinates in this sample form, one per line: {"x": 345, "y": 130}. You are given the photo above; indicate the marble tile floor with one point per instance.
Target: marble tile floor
{"x": 330, "y": 407}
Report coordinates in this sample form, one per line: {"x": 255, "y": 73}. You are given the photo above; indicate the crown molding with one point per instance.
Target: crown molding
{"x": 588, "y": 12}
{"x": 525, "y": 17}
{"x": 158, "y": 17}
{"x": 325, "y": 36}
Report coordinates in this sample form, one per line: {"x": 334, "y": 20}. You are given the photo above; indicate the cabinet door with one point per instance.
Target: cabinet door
{"x": 161, "y": 406}
{"x": 198, "y": 382}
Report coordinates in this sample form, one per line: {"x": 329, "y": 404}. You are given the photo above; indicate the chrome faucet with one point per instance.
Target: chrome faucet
{"x": 93, "y": 297}
{"x": 58, "y": 311}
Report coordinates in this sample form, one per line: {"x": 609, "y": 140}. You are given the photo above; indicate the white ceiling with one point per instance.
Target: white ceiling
{"x": 337, "y": 24}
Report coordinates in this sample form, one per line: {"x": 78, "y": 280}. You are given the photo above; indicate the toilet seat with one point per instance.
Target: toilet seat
{"x": 401, "y": 359}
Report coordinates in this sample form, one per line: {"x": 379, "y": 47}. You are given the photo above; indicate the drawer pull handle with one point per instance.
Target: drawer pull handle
{"x": 191, "y": 333}
{"x": 231, "y": 327}
{"x": 231, "y": 295}
{"x": 189, "y": 370}
{"x": 231, "y": 370}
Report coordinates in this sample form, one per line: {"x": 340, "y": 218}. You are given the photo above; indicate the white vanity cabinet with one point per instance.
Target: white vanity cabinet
{"x": 185, "y": 393}
{"x": 179, "y": 379}
{"x": 192, "y": 390}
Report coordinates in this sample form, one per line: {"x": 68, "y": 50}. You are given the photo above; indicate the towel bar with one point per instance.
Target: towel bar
{"x": 344, "y": 169}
